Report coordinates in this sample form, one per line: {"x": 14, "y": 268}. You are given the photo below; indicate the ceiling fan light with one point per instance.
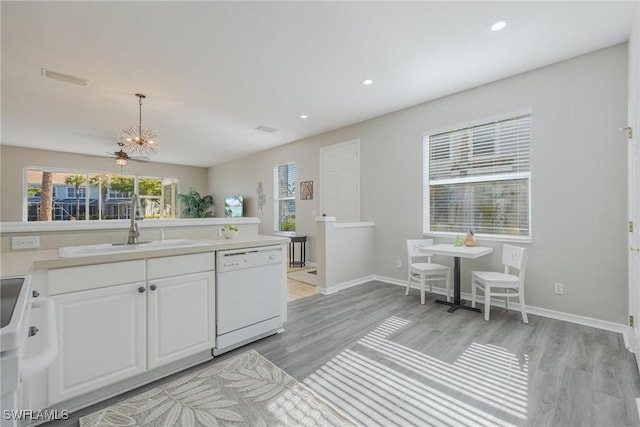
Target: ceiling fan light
{"x": 121, "y": 161}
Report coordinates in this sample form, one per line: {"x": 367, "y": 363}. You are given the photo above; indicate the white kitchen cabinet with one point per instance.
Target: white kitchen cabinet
{"x": 101, "y": 338}
{"x": 109, "y": 331}
{"x": 180, "y": 317}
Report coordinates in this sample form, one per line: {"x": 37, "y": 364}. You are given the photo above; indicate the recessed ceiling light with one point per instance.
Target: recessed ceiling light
{"x": 304, "y": 116}
{"x": 367, "y": 82}
{"x": 498, "y": 25}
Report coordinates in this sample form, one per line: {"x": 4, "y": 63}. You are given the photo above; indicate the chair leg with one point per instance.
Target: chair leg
{"x": 408, "y": 283}
{"x": 448, "y": 285}
{"x": 523, "y": 310}
{"x": 473, "y": 294}
{"x": 506, "y": 300}
{"x": 421, "y": 289}
{"x": 487, "y": 301}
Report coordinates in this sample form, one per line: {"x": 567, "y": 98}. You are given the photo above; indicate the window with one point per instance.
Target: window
{"x": 285, "y": 196}
{"x": 115, "y": 194}
{"x": 62, "y": 195}
{"x": 479, "y": 178}
{"x": 82, "y": 192}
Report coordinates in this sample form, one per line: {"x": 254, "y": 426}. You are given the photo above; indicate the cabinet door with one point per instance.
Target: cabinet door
{"x": 102, "y": 340}
{"x": 180, "y": 317}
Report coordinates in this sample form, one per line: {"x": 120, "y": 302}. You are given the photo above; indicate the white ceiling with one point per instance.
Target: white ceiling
{"x": 214, "y": 71}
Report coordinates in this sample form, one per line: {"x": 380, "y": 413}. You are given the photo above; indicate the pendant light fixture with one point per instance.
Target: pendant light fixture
{"x": 136, "y": 140}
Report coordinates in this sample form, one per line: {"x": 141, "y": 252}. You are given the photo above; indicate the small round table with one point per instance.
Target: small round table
{"x": 292, "y": 251}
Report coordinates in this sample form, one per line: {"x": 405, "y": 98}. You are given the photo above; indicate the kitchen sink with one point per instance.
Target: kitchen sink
{"x": 108, "y": 249}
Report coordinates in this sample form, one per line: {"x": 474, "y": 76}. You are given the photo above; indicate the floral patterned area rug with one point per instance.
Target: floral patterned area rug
{"x": 246, "y": 390}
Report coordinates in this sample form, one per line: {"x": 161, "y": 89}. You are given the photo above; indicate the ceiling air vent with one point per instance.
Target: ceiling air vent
{"x": 266, "y": 129}
{"x": 64, "y": 77}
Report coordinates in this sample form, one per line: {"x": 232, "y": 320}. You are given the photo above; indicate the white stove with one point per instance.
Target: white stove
{"x": 18, "y": 299}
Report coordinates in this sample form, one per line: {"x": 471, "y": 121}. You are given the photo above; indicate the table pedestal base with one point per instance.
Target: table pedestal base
{"x": 455, "y": 306}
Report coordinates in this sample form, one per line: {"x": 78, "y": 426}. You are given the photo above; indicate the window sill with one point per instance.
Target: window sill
{"x": 482, "y": 237}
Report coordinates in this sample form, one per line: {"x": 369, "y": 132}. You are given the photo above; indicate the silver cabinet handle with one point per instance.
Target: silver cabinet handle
{"x": 141, "y": 289}
{"x": 153, "y": 287}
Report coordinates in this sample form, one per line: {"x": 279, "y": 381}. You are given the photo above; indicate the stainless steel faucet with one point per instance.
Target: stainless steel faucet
{"x": 136, "y": 215}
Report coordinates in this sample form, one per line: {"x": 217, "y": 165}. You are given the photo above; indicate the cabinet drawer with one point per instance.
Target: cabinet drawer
{"x": 180, "y": 265}
{"x": 73, "y": 279}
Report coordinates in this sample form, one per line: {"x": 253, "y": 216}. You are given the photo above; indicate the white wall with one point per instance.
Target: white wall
{"x": 242, "y": 177}
{"x": 345, "y": 253}
{"x": 579, "y": 185}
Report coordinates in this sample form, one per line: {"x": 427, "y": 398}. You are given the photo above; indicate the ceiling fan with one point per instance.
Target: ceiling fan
{"x": 122, "y": 158}
{"x": 121, "y": 155}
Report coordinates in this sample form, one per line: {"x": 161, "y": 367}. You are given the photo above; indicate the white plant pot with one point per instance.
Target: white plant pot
{"x": 229, "y": 234}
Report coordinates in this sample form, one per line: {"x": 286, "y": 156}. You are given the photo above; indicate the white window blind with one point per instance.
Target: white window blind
{"x": 285, "y": 197}
{"x": 478, "y": 177}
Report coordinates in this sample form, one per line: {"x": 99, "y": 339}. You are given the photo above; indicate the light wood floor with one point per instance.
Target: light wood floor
{"x": 297, "y": 289}
{"x": 387, "y": 360}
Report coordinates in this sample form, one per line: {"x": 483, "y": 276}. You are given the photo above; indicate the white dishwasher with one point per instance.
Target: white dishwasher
{"x": 249, "y": 295}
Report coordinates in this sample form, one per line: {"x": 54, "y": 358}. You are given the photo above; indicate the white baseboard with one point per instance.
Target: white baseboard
{"x": 583, "y": 320}
{"x": 633, "y": 342}
{"x": 625, "y": 330}
{"x": 344, "y": 285}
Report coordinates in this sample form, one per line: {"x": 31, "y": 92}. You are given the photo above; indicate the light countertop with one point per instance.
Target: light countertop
{"x": 210, "y": 245}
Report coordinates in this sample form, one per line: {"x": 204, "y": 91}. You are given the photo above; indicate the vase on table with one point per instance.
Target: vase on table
{"x": 470, "y": 240}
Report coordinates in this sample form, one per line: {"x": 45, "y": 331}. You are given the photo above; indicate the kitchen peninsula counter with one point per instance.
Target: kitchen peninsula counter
{"x": 209, "y": 245}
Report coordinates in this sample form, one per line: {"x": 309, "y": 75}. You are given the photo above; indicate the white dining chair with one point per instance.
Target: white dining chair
{"x": 425, "y": 272}
{"x": 509, "y": 285}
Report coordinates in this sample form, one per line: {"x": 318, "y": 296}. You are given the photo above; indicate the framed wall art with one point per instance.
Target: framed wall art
{"x": 306, "y": 190}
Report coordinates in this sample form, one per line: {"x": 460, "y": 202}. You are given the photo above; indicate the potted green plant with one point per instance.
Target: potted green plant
{"x": 195, "y": 206}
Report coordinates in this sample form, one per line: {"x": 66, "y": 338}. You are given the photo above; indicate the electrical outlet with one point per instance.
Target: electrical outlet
{"x": 27, "y": 242}
{"x": 398, "y": 263}
{"x": 558, "y": 288}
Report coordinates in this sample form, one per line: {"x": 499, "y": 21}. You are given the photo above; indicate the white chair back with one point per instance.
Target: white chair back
{"x": 414, "y": 246}
{"x": 515, "y": 257}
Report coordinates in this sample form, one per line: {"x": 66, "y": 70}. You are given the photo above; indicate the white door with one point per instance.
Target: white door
{"x": 180, "y": 317}
{"x": 340, "y": 181}
{"x": 634, "y": 235}
{"x": 101, "y": 336}
{"x": 634, "y": 215}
